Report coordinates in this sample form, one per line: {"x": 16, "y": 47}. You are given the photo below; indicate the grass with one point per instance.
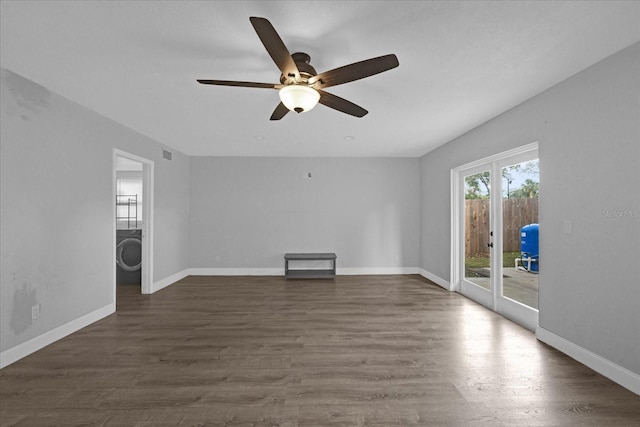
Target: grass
{"x": 476, "y": 262}
{"x": 508, "y": 260}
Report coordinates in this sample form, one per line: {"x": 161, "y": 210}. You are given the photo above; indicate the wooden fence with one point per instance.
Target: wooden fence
{"x": 516, "y": 213}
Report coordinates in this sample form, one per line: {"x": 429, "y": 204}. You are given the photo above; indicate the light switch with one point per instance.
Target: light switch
{"x": 567, "y": 226}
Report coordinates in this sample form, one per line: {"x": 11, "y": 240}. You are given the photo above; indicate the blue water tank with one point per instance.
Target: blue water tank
{"x": 529, "y": 245}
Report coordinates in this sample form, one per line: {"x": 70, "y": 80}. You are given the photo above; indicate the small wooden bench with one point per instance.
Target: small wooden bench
{"x": 311, "y": 273}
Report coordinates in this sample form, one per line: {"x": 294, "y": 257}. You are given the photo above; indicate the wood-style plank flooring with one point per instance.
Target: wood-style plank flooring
{"x": 262, "y": 351}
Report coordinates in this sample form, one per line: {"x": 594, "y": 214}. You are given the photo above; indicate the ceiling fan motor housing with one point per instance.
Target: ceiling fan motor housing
{"x": 306, "y": 70}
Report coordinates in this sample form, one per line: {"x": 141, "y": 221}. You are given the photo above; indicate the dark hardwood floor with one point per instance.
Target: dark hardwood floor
{"x": 262, "y": 351}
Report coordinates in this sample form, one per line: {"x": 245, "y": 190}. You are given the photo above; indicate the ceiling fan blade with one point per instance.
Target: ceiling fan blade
{"x": 275, "y": 46}
{"x": 341, "y": 104}
{"x": 279, "y": 112}
{"x": 355, "y": 71}
{"x": 241, "y": 84}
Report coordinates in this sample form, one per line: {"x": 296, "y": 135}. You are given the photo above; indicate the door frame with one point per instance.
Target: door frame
{"x": 493, "y": 299}
{"x": 147, "y": 220}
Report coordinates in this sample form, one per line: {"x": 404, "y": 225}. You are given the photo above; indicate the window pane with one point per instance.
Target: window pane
{"x": 521, "y": 259}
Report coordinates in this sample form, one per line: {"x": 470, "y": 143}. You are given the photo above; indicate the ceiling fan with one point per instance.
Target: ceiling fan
{"x": 300, "y": 87}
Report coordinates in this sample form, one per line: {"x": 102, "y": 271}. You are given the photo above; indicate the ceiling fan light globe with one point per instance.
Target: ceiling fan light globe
{"x": 299, "y": 98}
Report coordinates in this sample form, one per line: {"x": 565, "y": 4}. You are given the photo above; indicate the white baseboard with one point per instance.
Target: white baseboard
{"x": 614, "y": 372}
{"x": 169, "y": 280}
{"x": 236, "y": 271}
{"x": 435, "y": 279}
{"x": 26, "y": 348}
{"x": 363, "y": 271}
{"x": 280, "y": 271}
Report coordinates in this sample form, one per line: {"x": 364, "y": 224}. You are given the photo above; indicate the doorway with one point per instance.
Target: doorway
{"x": 495, "y": 233}
{"x": 133, "y": 222}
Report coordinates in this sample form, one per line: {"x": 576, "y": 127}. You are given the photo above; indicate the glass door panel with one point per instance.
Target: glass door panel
{"x": 495, "y": 257}
{"x": 520, "y": 228}
{"x": 477, "y": 229}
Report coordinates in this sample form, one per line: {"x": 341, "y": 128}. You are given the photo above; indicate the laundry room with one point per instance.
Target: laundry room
{"x": 129, "y": 198}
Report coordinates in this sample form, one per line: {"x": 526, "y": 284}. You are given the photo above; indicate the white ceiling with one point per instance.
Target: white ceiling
{"x": 461, "y": 64}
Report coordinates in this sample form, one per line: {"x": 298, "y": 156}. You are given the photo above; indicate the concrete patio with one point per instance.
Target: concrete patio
{"x": 518, "y": 284}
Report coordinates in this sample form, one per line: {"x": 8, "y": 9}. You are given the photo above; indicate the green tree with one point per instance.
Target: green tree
{"x": 532, "y": 167}
{"x": 477, "y": 186}
{"x": 529, "y": 189}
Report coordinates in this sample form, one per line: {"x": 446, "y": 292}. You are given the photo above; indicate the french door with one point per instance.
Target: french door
{"x": 495, "y": 256}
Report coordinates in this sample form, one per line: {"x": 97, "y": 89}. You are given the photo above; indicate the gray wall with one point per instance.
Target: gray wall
{"x": 57, "y": 210}
{"x": 248, "y": 212}
{"x": 588, "y": 128}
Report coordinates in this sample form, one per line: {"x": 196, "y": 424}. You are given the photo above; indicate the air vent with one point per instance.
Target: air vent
{"x": 166, "y": 154}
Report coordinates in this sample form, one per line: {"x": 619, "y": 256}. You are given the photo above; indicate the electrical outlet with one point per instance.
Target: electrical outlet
{"x": 35, "y": 312}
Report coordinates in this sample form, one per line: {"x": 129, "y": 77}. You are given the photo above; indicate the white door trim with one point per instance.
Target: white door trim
{"x": 147, "y": 220}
